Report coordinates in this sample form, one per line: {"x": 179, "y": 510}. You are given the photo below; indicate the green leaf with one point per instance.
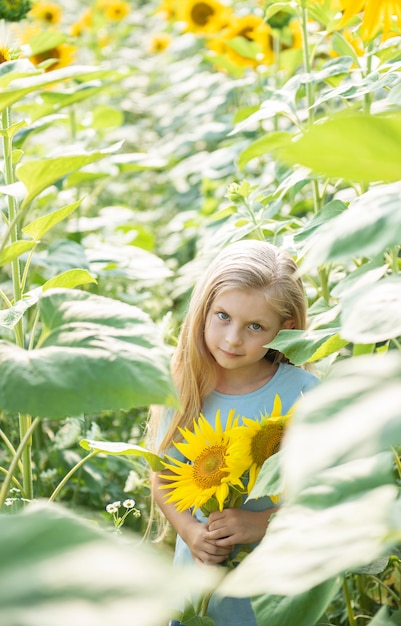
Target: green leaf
{"x": 373, "y": 313}
{"x": 121, "y": 448}
{"x": 14, "y": 250}
{"x": 383, "y": 618}
{"x": 302, "y": 609}
{"x": 269, "y": 481}
{"x": 301, "y": 346}
{"x": 9, "y": 317}
{"x": 370, "y": 225}
{"x": 301, "y": 547}
{"x": 28, "y": 79}
{"x": 355, "y": 147}
{"x": 95, "y": 354}
{"x": 354, "y": 413}
{"x": 261, "y": 146}
{"x": 56, "y": 568}
{"x": 43, "y": 224}
{"x": 39, "y": 174}
{"x": 69, "y": 280}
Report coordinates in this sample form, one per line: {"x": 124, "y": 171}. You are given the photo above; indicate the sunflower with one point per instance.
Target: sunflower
{"x": 203, "y": 17}
{"x": 159, "y": 42}
{"x": 216, "y": 465}
{"x": 46, "y": 12}
{"x": 254, "y": 30}
{"x": 114, "y": 10}
{"x": 4, "y": 55}
{"x": 262, "y": 438}
{"x": 377, "y": 15}
{"x": 61, "y": 56}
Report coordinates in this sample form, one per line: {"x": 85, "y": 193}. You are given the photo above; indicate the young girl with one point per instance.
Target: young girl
{"x": 249, "y": 292}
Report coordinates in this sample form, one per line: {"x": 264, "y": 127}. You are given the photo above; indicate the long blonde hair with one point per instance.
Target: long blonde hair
{"x": 245, "y": 264}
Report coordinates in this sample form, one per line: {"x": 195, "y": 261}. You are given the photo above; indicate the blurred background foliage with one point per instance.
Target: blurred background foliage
{"x": 207, "y": 122}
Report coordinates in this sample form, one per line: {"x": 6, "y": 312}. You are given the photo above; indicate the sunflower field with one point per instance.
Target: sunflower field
{"x": 138, "y": 138}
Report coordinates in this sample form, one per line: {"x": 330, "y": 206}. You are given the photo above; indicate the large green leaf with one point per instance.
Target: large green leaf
{"x": 302, "y": 609}
{"x": 56, "y": 569}
{"x": 370, "y": 225}
{"x": 354, "y": 413}
{"x": 373, "y": 313}
{"x": 302, "y": 346}
{"x": 304, "y": 546}
{"x": 39, "y": 174}
{"x": 96, "y": 353}
{"x": 356, "y": 147}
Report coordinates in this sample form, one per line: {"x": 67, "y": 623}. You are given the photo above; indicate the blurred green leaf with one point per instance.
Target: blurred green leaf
{"x": 355, "y": 147}
{"x": 69, "y": 280}
{"x": 58, "y": 569}
{"x": 373, "y": 313}
{"x": 121, "y": 448}
{"x": 370, "y": 225}
{"x": 301, "y": 547}
{"x": 354, "y": 413}
{"x": 95, "y": 354}
{"x": 39, "y": 174}
{"x": 301, "y": 609}
{"x": 261, "y": 146}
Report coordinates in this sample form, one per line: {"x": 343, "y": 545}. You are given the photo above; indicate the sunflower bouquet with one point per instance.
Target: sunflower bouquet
{"x": 222, "y": 465}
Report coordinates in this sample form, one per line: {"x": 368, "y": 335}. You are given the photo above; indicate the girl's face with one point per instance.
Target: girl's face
{"x": 240, "y": 322}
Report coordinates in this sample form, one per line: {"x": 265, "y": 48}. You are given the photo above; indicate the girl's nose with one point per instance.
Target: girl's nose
{"x": 233, "y": 335}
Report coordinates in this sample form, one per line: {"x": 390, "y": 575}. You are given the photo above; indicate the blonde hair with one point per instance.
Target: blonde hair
{"x": 246, "y": 264}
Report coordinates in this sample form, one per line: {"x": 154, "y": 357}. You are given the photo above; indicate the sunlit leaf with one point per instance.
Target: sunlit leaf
{"x": 55, "y": 568}
{"x": 370, "y": 225}
{"x": 121, "y": 448}
{"x": 354, "y": 413}
{"x": 69, "y": 280}
{"x": 302, "y": 346}
{"x": 301, "y": 547}
{"x": 355, "y": 147}
{"x": 14, "y": 250}
{"x": 41, "y": 225}
{"x": 41, "y": 173}
{"x": 373, "y": 313}
{"x": 95, "y": 354}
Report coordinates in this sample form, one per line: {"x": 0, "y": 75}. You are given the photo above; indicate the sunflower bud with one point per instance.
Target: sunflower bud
{"x": 14, "y": 10}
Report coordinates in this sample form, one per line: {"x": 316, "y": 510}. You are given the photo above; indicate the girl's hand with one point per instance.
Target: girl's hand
{"x": 205, "y": 549}
{"x": 237, "y": 526}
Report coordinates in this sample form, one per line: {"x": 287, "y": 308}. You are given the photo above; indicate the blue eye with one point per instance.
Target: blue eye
{"x": 223, "y": 316}
{"x": 255, "y": 326}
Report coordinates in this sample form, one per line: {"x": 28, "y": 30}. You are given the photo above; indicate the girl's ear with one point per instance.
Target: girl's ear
{"x": 288, "y": 324}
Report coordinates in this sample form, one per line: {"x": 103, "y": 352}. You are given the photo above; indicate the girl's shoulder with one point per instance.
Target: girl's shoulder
{"x": 296, "y": 375}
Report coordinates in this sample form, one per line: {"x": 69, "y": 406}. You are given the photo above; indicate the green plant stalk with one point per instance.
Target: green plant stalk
{"x": 14, "y": 480}
{"x": 70, "y": 473}
{"x": 24, "y": 420}
{"x": 11, "y": 470}
{"x": 10, "y": 446}
{"x": 348, "y": 604}
{"x": 309, "y": 89}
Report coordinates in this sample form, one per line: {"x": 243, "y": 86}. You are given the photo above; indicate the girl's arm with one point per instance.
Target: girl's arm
{"x": 237, "y": 526}
{"x": 193, "y": 532}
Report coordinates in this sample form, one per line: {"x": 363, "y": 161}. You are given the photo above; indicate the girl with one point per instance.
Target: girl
{"x": 249, "y": 292}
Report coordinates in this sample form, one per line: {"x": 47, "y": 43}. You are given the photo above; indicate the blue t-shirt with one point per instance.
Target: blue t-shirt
{"x": 290, "y": 383}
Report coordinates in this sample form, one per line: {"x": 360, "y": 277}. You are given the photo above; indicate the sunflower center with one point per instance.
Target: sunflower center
{"x": 201, "y": 13}
{"x": 266, "y": 442}
{"x": 209, "y": 467}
